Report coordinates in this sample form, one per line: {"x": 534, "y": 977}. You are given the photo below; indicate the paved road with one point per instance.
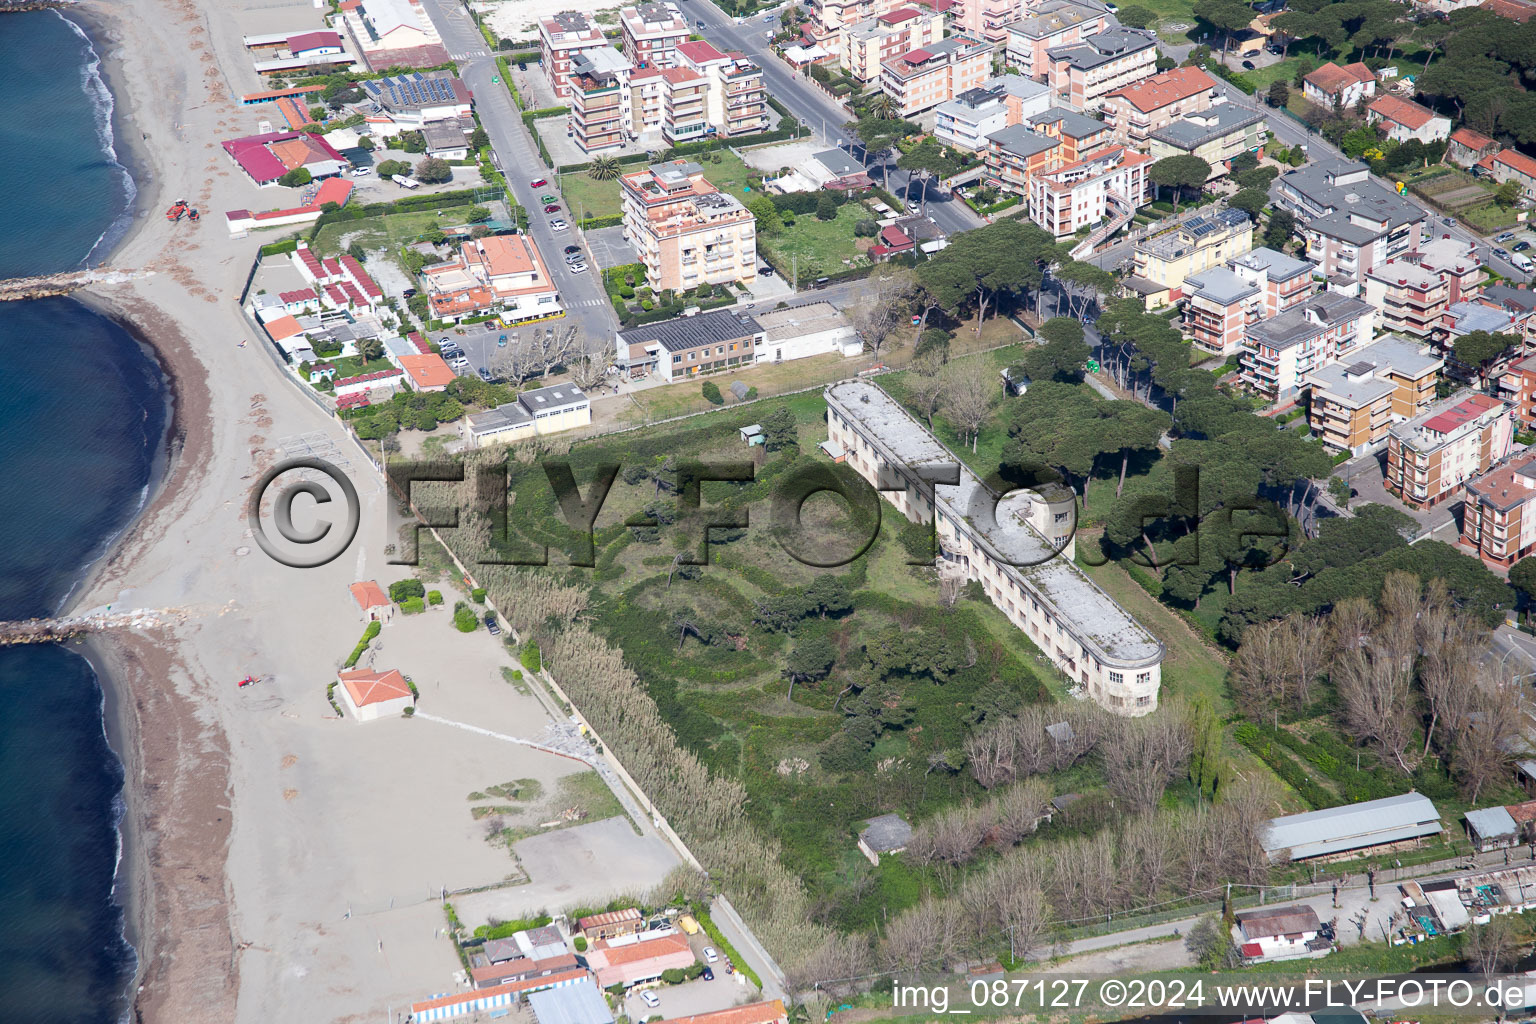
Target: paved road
{"x": 808, "y": 103}
{"x": 582, "y": 294}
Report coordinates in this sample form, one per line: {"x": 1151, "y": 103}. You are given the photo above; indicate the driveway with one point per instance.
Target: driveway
{"x": 608, "y": 248}
{"x": 1366, "y": 476}
{"x": 691, "y": 997}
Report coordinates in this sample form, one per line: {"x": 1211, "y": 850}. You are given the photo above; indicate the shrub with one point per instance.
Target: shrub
{"x": 408, "y": 712}
{"x": 402, "y": 589}
{"x": 464, "y": 618}
{"x": 826, "y": 206}
{"x": 580, "y": 944}
{"x": 647, "y": 305}
{"x": 412, "y": 606}
{"x": 478, "y": 595}
{"x": 751, "y": 394}
{"x": 295, "y": 178}
{"x": 866, "y": 229}
{"x": 530, "y": 657}
{"x": 705, "y": 290}
{"x": 434, "y": 597}
{"x": 712, "y": 393}
{"x": 362, "y": 645}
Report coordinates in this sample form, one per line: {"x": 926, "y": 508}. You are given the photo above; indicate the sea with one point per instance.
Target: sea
{"x": 84, "y": 415}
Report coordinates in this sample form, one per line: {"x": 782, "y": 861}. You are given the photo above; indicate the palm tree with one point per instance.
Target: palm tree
{"x": 604, "y": 168}
{"x": 882, "y": 105}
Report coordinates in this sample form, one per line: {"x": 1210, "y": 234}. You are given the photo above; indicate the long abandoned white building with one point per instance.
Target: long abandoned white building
{"x": 1019, "y": 549}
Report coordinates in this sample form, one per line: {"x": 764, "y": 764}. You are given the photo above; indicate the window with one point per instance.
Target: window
{"x": 1143, "y": 677}
{"x": 1061, "y": 517}
{"x": 677, "y": 359}
{"x": 1142, "y": 702}
{"x": 1117, "y": 678}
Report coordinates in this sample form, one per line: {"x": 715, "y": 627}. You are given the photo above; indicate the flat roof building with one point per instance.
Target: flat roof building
{"x": 1390, "y": 821}
{"x": 1429, "y": 456}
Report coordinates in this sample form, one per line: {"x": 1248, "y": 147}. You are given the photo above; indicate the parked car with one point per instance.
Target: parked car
{"x": 546, "y": 198}
{"x": 459, "y": 363}
{"x": 1501, "y": 253}
{"x": 361, "y": 172}
{"x": 578, "y": 268}
{"x": 699, "y": 25}
{"x": 710, "y": 956}
{"x": 538, "y": 183}
{"x": 558, "y": 225}
{"x": 1506, "y": 236}
{"x": 571, "y": 249}
{"x": 521, "y": 66}
{"x": 485, "y": 374}
{"x": 768, "y": 20}
{"x": 490, "y": 624}
{"x": 650, "y": 999}
{"x": 708, "y": 975}
{"x": 1248, "y": 64}
{"x": 1520, "y": 246}
{"x": 764, "y": 271}
{"x": 552, "y": 208}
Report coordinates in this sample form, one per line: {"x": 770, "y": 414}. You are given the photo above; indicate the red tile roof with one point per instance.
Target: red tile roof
{"x": 1405, "y": 112}
{"x": 356, "y": 398}
{"x": 368, "y": 593}
{"x": 368, "y": 687}
{"x": 1469, "y": 408}
{"x": 1515, "y": 10}
{"x": 293, "y": 110}
{"x": 894, "y": 237}
{"x": 312, "y": 41}
{"x": 364, "y": 378}
{"x": 283, "y": 327}
{"x": 421, "y": 343}
{"x": 752, "y": 1013}
{"x": 897, "y": 17}
{"x": 916, "y": 56}
{"x": 428, "y": 371}
{"x": 254, "y": 153}
{"x": 1515, "y": 160}
{"x": 603, "y": 955}
{"x": 360, "y": 277}
{"x": 699, "y": 51}
{"x": 302, "y": 295}
{"x": 610, "y": 917}
{"x": 1475, "y": 141}
{"x": 1168, "y": 87}
{"x": 1331, "y": 78}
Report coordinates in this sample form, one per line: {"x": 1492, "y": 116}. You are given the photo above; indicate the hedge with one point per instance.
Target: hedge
{"x": 710, "y": 929}
{"x": 406, "y": 204}
{"x": 612, "y": 220}
{"x": 279, "y": 248}
{"x": 530, "y": 116}
{"x": 362, "y": 645}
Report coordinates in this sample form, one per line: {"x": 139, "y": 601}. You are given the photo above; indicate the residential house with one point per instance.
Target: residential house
{"x": 1353, "y": 403}
{"x": 1085, "y": 73}
{"x": 1280, "y": 933}
{"x": 1279, "y": 352}
{"x": 865, "y": 46}
{"x": 1392, "y": 822}
{"x": 1460, "y": 437}
{"x": 1134, "y": 112}
{"x": 812, "y": 329}
{"x": 404, "y": 103}
{"x": 392, "y": 34}
{"x": 687, "y": 231}
{"x": 1050, "y": 24}
{"x": 1467, "y": 147}
{"x": 923, "y": 78}
{"x": 428, "y": 372}
{"x": 1161, "y": 263}
{"x": 737, "y": 102}
{"x": 689, "y": 346}
{"x": 369, "y": 695}
{"x": 1332, "y": 85}
{"x": 1492, "y": 828}
{"x": 1041, "y": 143}
{"x": 1109, "y": 183}
{"x": 562, "y": 38}
{"x": 1498, "y": 520}
{"x": 1404, "y": 119}
{"x": 652, "y": 31}
{"x": 530, "y": 953}
{"x": 1511, "y": 165}
{"x": 1018, "y": 549}
{"x": 503, "y": 273}
{"x": 1216, "y": 135}
{"x": 630, "y": 959}
{"x": 266, "y": 158}
{"x": 967, "y": 121}
{"x": 372, "y": 602}
{"x": 887, "y": 834}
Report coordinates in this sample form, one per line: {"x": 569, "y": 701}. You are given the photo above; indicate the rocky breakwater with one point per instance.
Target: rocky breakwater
{"x": 18, "y": 6}
{"x": 17, "y": 289}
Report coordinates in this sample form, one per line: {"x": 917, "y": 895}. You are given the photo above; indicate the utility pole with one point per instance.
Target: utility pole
{"x": 794, "y": 286}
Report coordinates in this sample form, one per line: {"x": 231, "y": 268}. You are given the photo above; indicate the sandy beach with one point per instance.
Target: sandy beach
{"x": 280, "y": 863}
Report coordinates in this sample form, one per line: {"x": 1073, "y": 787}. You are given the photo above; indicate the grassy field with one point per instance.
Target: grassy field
{"x": 818, "y": 246}
{"x": 723, "y": 169}
{"x": 387, "y": 232}
{"x": 1261, "y": 78}
{"x": 585, "y": 197}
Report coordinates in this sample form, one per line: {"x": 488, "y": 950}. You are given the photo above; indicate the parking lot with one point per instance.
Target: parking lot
{"x": 488, "y": 344}
{"x": 607, "y": 247}
{"x": 691, "y": 997}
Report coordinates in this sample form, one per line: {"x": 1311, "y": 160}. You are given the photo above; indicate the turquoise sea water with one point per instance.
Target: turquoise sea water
{"x": 83, "y": 415}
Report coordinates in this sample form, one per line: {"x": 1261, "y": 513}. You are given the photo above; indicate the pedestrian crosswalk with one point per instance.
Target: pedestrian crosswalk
{"x": 469, "y": 54}
{"x": 584, "y": 303}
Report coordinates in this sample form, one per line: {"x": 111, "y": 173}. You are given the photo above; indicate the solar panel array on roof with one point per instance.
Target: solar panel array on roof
{"x": 1359, "y": 369}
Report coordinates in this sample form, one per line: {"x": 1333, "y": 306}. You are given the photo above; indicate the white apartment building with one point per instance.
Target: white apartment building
{"x": 563, "y": 37}
{"x": 965, "y": 121}
{"x": 687, "y": 231}
{"x": 1019, "y": 548}
{"x": 1279, "y": 352}
{"x": 651, "y": 34}
{"x": 1109, "y": 183}
{"x": 737, "y": 103}
{"x": 1050, "y": 24}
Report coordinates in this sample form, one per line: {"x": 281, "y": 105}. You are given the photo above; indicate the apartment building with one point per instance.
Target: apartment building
{"x": 922, "y": 79}
{"x": 1404, "y": 119}
{"x": 1085, "y": 73}
{"x": 1498, "y": 521}
{"x": 1517, "y": 386}
{"x": 1011, "y": 548}
{"x": 563, "y": 37}
{"x": 1109, "y": 183}
{"x": 651, "y": 33}
{"x": 1345, "y": 86}
{"x": 1279, "y": 352}
{"x": 966, "y": 121}
{"x": 1454, "y": 440}
{"x": 1462, "y": 318}
{"x": 1051, "y": 24}
{"x": 1134, "y": 112}
{"x": 602, "y": 110}
{"x": 737, "y": 103}
{"x": 1351, "y": 222}
{"x": 1412, "y": 299}
{"x": 689, "y": 346}
{"x": 687, "y": 231}
{"x": 867, "y": 45}
{"x": 1352, "y": 404}
{"x": 1044, "y": 142}
{"x": 1222, "y": 303}
{"x": 499, "y": 273}
{"x": 1161, "y": 263}
{"x": 1216, "y": 136}
{"x": 831, "y": 17}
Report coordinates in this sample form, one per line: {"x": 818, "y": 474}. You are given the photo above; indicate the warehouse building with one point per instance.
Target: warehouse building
{"x": 1394, "y": 821}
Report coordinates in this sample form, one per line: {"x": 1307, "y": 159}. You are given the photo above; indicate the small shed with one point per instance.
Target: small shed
{"x": 1525, "y": 774}
{"x": 889, "y": 833}
{"x": 370, "y": 695}
{"x": 581, "y": 1003}
{"x": 1492, "y": 828}
{"x": 372, "y": 602}
{"x": 753, "y": 434}
{"x": 740, "y": 390}
{"x": 834, "y": 450}
{"x": 1015, "y": 380}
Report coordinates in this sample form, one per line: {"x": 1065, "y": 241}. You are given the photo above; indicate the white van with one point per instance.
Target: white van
{"x": 1521, "y": 260}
